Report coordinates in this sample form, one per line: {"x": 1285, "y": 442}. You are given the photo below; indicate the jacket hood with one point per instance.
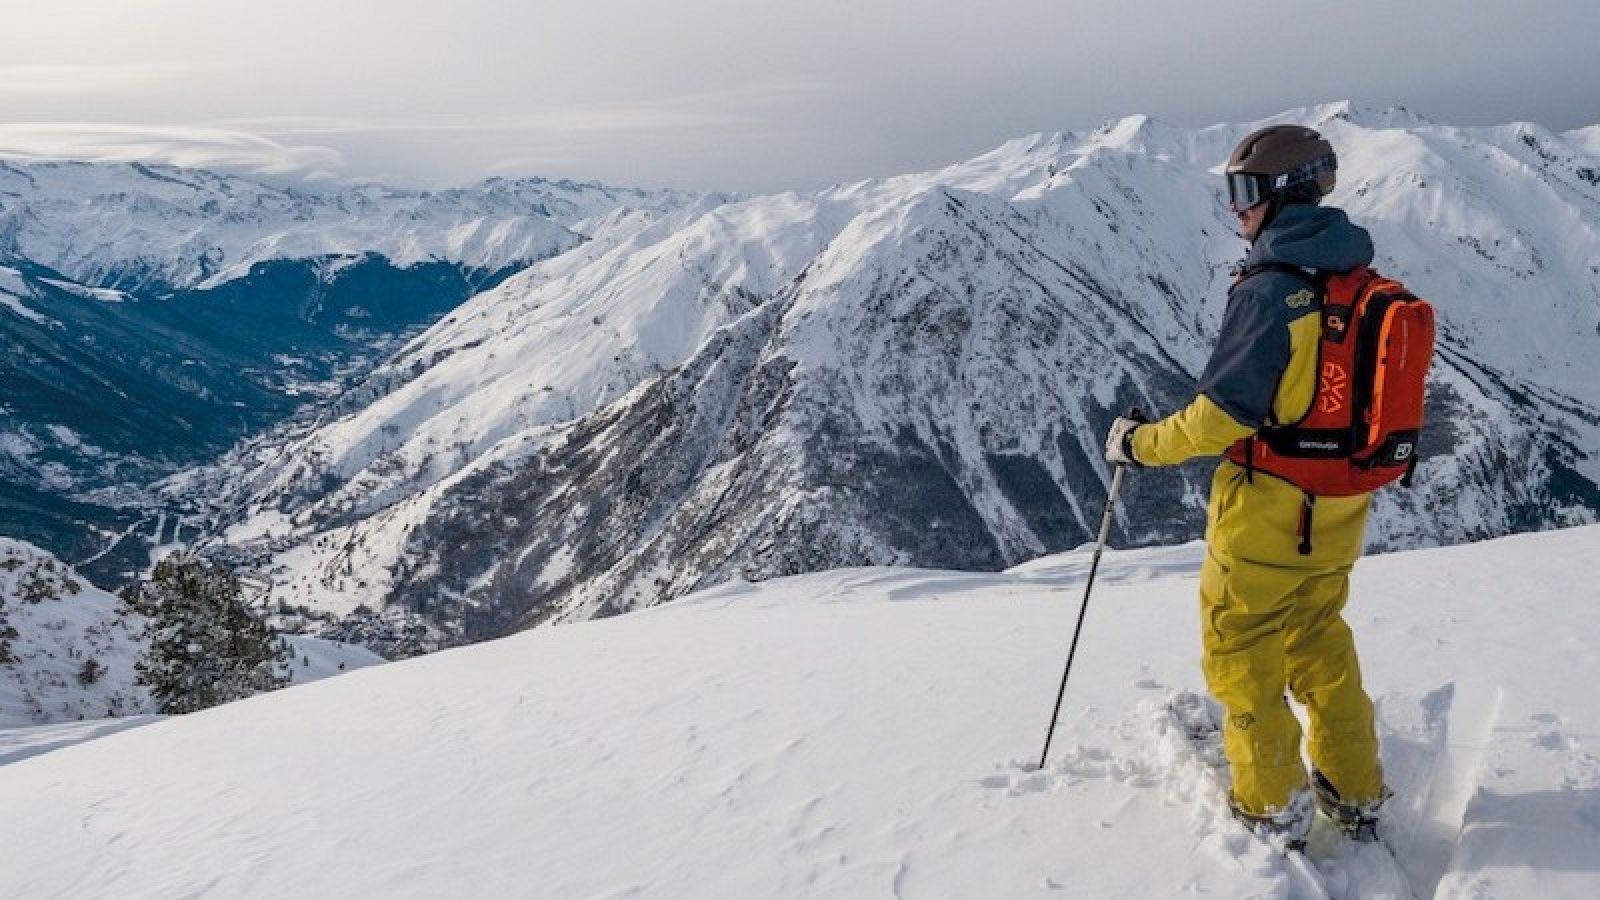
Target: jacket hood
{"x": 1312, "y": 237}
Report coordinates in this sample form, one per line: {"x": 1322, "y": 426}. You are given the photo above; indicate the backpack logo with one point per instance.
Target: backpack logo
{"x": 1300, "y": 299}
{"x": 1335, "y": 384}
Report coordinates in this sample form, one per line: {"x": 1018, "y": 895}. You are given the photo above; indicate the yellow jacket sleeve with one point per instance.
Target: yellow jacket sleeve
{"x": 1203, "y": 428}
{"x": 1200, "y": 429}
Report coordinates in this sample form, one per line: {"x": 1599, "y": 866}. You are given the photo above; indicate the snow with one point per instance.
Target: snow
{"x": 12, "y": 282}
{"x": 17, "y": 744}
{"x": 104, "y": 295}
{"x": 65, "y": 436}
{"x": 1586, "y": 138}
{"x": 853, "y": 733}
{"x": 14, "y": 304}
{"x": 13, "y": 290}
{"x": 112, "y": 225}
{"x": 63, "y": 622}
{"x": 1117, "y": 235}
{"x": 312, "y": 659}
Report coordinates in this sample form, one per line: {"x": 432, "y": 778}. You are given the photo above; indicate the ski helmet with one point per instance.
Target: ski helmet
{"x": 1270, "y": 160}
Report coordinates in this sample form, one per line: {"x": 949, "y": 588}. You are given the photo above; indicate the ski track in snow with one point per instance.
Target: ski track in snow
{"x": 1432, "y": 766}
{"x": 857, "y": 733}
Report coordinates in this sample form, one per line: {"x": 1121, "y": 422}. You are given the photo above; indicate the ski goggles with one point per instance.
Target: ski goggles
{"x": 1246, "y": 189}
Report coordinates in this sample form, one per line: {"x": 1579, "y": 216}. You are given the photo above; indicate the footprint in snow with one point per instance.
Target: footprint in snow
{"x": 1018, "y": 784}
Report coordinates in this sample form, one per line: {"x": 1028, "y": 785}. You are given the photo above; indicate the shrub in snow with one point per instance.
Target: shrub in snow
{"x": 90, "y": 671}
{"x": 206, "y": 645}
{"x": 391, "y": 634}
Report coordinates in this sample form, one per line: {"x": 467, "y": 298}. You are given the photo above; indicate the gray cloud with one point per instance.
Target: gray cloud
{"x": 212, "y": 148}
{"x": 760, "y": 96}
{"x": 734, "y": 107}
{"x": 56, "y": 80}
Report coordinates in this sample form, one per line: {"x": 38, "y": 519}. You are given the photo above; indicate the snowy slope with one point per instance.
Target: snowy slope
{"x": 53, "y": 623}
{"x": 918, "y": 370}
{"x": 856, "y": 733}
{"x": 63, "y": 624}
{"x": 125, "y": 225}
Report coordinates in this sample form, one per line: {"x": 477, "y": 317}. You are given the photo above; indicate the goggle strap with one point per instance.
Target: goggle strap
{"x": 1306, "y": 172}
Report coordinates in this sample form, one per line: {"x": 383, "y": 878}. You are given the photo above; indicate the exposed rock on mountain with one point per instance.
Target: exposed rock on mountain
{"x": 152, "y": 316}
{"x": 919, "y": 370}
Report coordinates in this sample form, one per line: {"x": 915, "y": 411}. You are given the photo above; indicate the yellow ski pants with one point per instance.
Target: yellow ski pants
{"x": 1270, "y": 619}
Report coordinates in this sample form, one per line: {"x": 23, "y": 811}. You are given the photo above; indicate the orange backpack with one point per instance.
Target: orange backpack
{"x": 1372, "y": 364}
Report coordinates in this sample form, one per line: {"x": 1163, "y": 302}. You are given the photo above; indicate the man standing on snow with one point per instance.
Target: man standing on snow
{"x": 1275, "y": 578}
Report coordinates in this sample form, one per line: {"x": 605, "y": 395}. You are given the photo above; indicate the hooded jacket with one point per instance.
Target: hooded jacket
{"x": 1263, "y": 366}
{"x": 1270, "y": 603}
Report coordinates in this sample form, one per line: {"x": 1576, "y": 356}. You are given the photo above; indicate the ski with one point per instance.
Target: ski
{"x": 1303, "y": 871}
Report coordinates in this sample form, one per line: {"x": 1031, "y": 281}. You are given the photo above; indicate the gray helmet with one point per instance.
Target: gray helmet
{"x": 1273, "y": 159}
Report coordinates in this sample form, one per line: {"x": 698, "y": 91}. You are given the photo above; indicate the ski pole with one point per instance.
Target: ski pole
{"x": 1094, "y": 566}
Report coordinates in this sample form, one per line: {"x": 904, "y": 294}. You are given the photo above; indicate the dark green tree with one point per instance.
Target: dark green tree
{"x": 8, "y": 633}
{"x": 206, "y": 646}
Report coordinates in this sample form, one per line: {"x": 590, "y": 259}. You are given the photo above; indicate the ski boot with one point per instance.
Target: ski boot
{"x": 1357, "y": 822}
{"x": 1285, "y": 829}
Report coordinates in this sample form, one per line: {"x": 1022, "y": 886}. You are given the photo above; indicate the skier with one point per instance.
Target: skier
{"x": 1275, "y": 577}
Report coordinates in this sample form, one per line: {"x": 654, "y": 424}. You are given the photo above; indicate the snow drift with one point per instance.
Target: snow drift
{"x": 855, "y": 733}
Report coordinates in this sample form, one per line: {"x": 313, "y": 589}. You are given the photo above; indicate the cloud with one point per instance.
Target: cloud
{"x": 96, "y": 78}
{"x": 180, "y": 145}
{"x": 730, "y": 108}
{"x": 571, "y": 138}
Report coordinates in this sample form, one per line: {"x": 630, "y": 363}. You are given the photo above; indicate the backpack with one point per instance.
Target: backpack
{"x": 1372, "y": 365}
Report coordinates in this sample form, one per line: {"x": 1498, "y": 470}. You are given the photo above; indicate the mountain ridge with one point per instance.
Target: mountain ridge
{"x": 151, "y": 317}
{"x": 160, "y": 226}
{"x": 1102, "y": 260}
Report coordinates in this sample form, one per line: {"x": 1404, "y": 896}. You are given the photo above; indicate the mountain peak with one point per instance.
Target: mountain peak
{"x": 1136, "y": 132}
{"x": 1055, "y": 295}
{"x": 1365, "y": 115}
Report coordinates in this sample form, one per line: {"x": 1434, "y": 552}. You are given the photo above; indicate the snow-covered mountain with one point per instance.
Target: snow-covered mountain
{"x": 919, "y": 370}
{"x": 132, "y": 226}
{"x": 68, "y": 650}
{"x": 152, "y": 316}
{"x": 857, "y": 733}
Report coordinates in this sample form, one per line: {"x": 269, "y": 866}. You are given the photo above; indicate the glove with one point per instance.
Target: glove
{"x": 1119, "y": 440}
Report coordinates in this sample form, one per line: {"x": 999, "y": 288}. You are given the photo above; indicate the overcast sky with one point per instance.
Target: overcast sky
{"x": 736, "y": 94}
